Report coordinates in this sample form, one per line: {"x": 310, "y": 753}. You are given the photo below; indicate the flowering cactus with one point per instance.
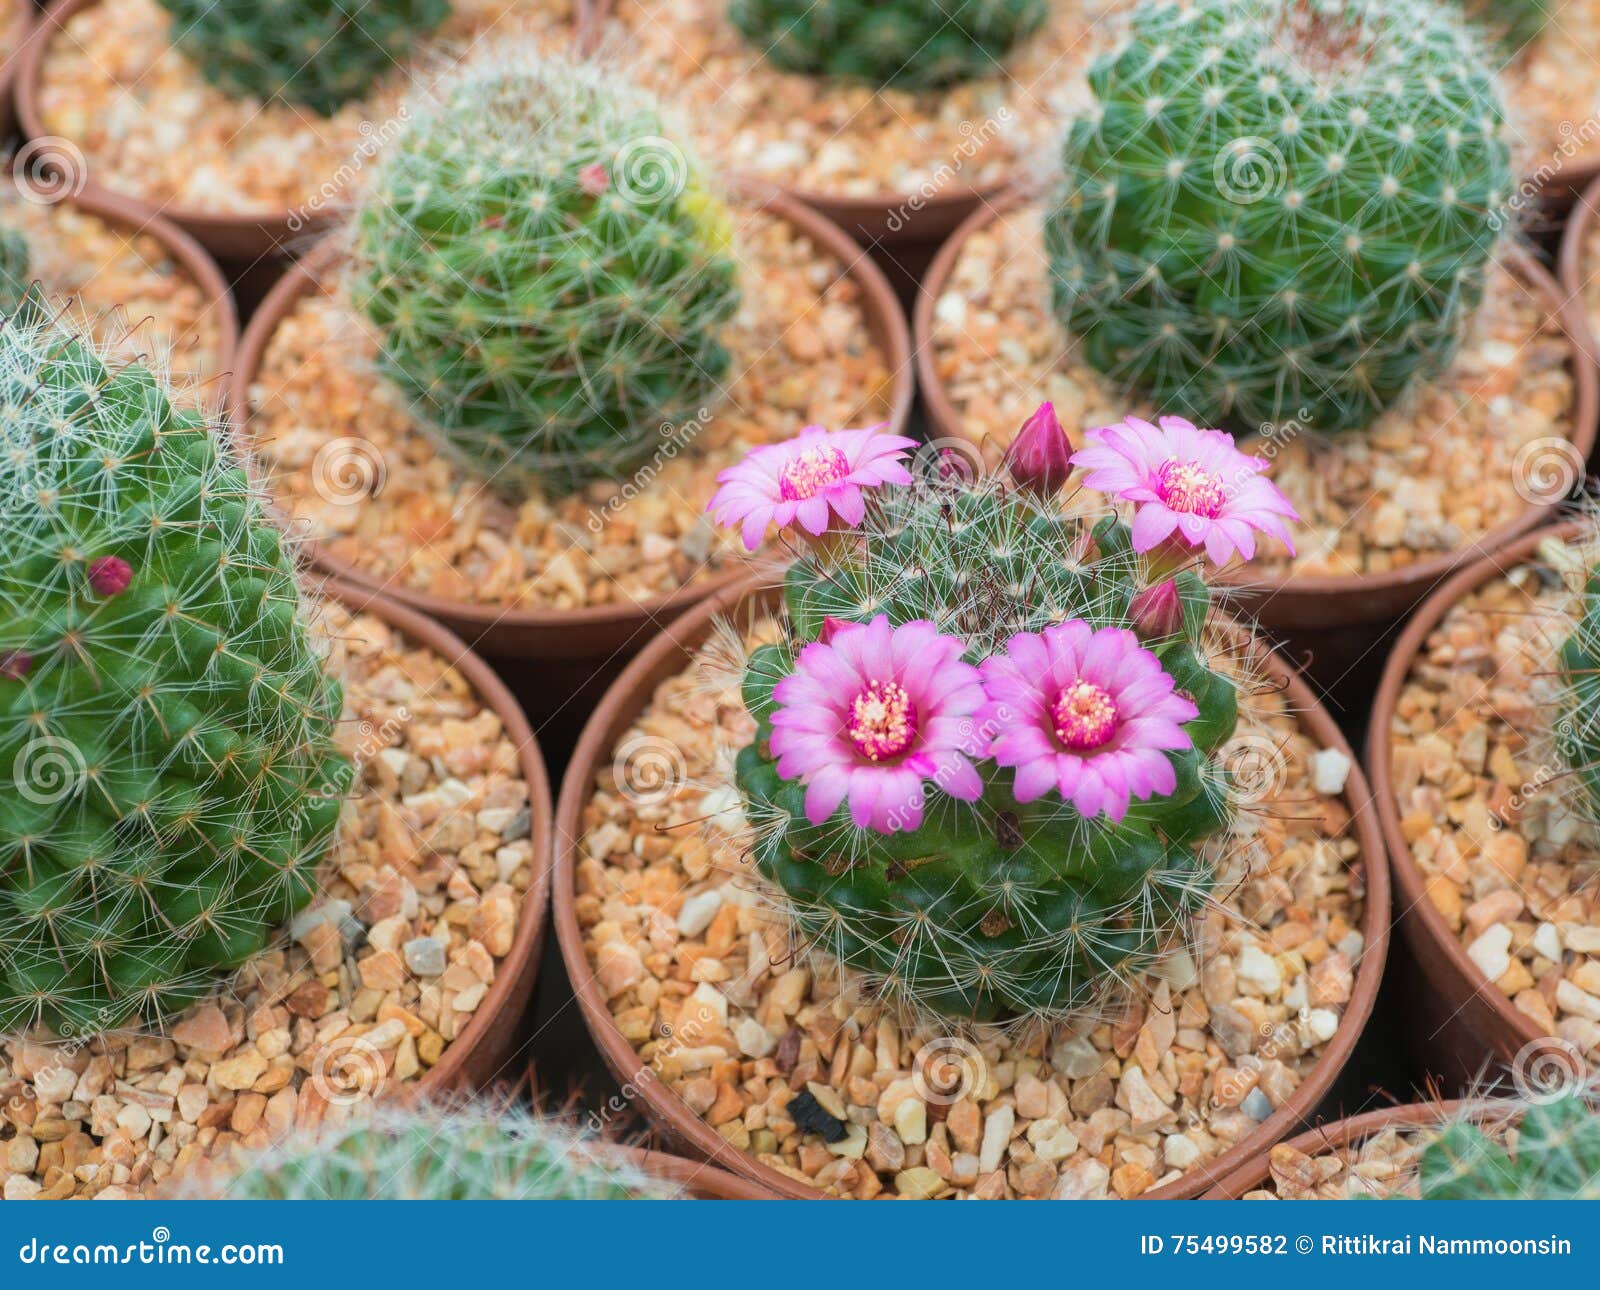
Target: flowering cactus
{"x": 985, "y": 757}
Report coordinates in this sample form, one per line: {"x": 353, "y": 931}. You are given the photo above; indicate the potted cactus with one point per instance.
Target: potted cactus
{"x": 1282, "y": 217}
{"x": 540, "y": 345}
{"x": 1500, "y": 919}
{"x": 894, "y": 119}
{"x": 445, "y": 1151}
{"x": 194, "y": 769}
{"x": 983, "y": 750}
{"x": 279, "y": 106}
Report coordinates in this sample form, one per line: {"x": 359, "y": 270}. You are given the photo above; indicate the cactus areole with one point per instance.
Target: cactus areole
{"x": 171, "y": 779}
{"x": 979, "y": 777}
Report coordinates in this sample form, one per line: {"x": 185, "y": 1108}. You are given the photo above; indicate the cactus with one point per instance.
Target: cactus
{"x": 14, "y": 271}
{"x": 1280, "y": 209}
{"x": 904, "y": 44}
{"x": 434, "y": 1152}
{"x": 1514, "y": 24}
{"x": 1575, "y": 717}
{"x": 548, "y": 274}
{"x": 1553, "y": 1153}
{"x": 1029, "y": 787}
{"x": 165, "y": 721}
{"x": 319, "y": 54}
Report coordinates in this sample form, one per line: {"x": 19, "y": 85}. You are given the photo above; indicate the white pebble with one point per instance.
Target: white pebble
{"x": 1258, "y": 971}
{"x": 1256, "y": 1105}
{"x": 1547, "y": 942}
{"x": 1569, "y": 998}
{"x": 996, "y": 1138}
{"x": 1329, "y": 770}
{"x": 1492, "y": 951}
{"x": 1580, "y": 938}
{"x": 753, "y": 1039}
{"x": 1322, "y": 1024}
{"x": 698, "y": 911}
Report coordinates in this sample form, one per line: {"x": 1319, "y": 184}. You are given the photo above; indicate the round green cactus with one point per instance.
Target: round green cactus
{"x": 997, "y": 908}
{"x": 1514, "y": 24}
{"x": 1545, "y": 1148}
{"x": 1576, "y": 724}
{"x": 320, "y": 54}
{"x": 1280, "y": 209}
{"x": 437, "y": 1153}
{"x": 14, "y": 271}
{"x": 548, "y": 275}
{"x": 905, "y": 44}
{"x": 166, "y": 722}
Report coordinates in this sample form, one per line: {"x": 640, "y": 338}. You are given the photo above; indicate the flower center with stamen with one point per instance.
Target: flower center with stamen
{"x": 809, "y": 472}
{"x": 1185, "y": 487}
{"x": 883, "y": 720}
{"x": 1085, "y": 716}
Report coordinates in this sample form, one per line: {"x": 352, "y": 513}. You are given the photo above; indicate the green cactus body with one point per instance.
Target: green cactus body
{"x": 1553, "y": 1153}
{"x": 1514, "y": 24}
{"x": 1577, "y": 707}
{"x": 548, "y": 276}
{"x": 990, "y": 910}
{"x": 903, "y": 44}
{"x": 166, "y": 725}
{"x": 1279, "y": 209}
{"x": 433, "y": 1153}
{"x": 320, "y": 54}
{"x": 15, "y": 272}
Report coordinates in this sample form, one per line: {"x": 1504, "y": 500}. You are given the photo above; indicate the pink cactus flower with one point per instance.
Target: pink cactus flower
{"x": 873, "y": 717}
{"x": 1089, "y": 713}
{"x": 809, "y": 479}
{"x": 110, "y": 575}
{"x": 1195, "y": 483}
{"x": 1040, "y": 457}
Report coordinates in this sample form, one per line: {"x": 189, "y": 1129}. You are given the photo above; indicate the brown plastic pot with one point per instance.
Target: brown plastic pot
{"x": 488, "y": 1049}
{"x": 666, "y": 656}
{"x": 1572, "y": 271}
{"x": 1336, "y": 620}
{"x": 602, "y": 631}
{"x": 1343, "y": 1133}
{"x": 8, "y": 70}
{"x": 700, "y": 1180}
{"x": 887, "y": 220}
{"x": 1466, "y": 1026}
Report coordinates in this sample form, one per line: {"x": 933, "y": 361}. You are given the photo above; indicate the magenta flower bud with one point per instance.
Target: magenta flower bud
{"x": 110, "y": 575}
{"x": 593, "y": 179}
{"x": 14, "y": 665}
{"x": 1157, "y": 612}
{"x": 832, "y": 626}
{"x": 1040, "y": 457}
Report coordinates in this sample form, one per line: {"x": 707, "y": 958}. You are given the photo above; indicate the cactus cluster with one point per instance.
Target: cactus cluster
{"x": 983, "y": 868}
{"x": 1514, "y": 24}
{"x": 170, "y": 775}
{"x": 903, "y": 44}
{"x": 431, "y": 1152}
{"x": 318, "y": 54}
{"x": 1280, "y": 209}
{"x": 548, "y": 275}
{"x": 1576, "y": 717}
{"x": 1550, "y": 1152}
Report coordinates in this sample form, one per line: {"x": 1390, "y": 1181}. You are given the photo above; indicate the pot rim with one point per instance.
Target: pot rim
{"x": 1570, "y": 257}
{"x": 1273, "y": 598}
{"x": 666, "y": 654}
{"x": 518, "y": 966}
{"x": 886, "y": 323}
{"x": 703, "y": 1181}
{"x": 1410, "y": 887}
{"x": 1347, "y": 1132}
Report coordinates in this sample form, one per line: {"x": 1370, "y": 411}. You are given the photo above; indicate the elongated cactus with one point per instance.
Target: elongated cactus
{"x": 1280, "y": 209}
{"x": 907, "y": 44}
{"x": 437, "y": 1153}
{"x": 320, "y": 54}
{"x": 548, "y": 274}
{"x": 166, "y": 723}
{"x": 985, "y": 761}
{"x": 1550, "y": 1152}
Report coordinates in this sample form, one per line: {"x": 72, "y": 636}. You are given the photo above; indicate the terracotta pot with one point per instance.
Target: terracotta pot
{"x": 8, "y": 70}
{"x": 489, "y": 1046}
{"x": 666, "y": 656}
{"x": 701, "y": 1181}
{"x": 127, "y": 214}
{"x": 1572, "y": 270}
{"x": 1470, "y": 1024}
{"x": 1334, "y": 620}
{"x": 603, "y": 631}
{"x": 1342, "y": 1133}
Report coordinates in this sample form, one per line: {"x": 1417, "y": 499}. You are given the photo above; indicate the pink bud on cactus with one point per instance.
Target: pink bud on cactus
{"x": 110, "y": 575}
{"x": 1157, "y": 611}
{"x": 593, "y": 179}
{"x": 832, "y": 626}
{"x": 15, "y": 665}
{"x": 1040, "y": 457}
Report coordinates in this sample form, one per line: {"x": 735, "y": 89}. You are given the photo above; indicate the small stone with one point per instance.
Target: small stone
{"x": 1083, "y": 1180}
{"x": 618, "y": 967}
{"x": 753, "y": 1038}
{"x": 204, "y": 1030}
{"x": 1258, "y": 972}
{"x": 1330, "y": 769}
{"x": 918, "y": 1184}
{"x": 425, "y": 956}
{"x": 697, "y": 912}
{"x": 885, "y": 1152}
{"x": 1179, "y": 1152}
{"x": 134, "y": 1120}
{"x": 996, "y": 1137}
{"x": 964, "y": 1124}
{"x": 852, "y": 1144}
{"x": 333, "y": 912}
{"x": 1141, "y": 1102}
{"x": 1547, "y": 942}
{"x": 1256, "y": 1105}
{"x": 1569, "y": 998}
{"x": 1491, "y": 952}
{"x": 911, "y": 1122}
{"x": 809, "y": 1117}
{"x": 239, "y": 1073}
